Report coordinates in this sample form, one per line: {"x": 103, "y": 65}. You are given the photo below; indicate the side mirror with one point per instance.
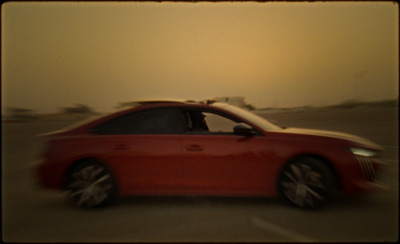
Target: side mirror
{"x": 244, "y": 130}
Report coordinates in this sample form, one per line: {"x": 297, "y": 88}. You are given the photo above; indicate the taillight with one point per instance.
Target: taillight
{"x": 42, "y": 146}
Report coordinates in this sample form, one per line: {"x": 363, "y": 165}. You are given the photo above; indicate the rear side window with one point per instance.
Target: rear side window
{"x": 152, "y": 121}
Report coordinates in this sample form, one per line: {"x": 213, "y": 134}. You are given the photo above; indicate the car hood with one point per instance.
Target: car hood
{"x": 333, "y": 134}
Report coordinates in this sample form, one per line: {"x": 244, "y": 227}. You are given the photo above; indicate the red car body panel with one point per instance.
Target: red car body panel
{"x": 225, "y": 165}
{"x": 200, "y": 164}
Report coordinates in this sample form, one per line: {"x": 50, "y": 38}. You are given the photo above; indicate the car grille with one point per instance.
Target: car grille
{"x": 367, "y": 168}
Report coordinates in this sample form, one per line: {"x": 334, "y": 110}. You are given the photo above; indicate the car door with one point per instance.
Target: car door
{"x": 145, "y": 150}
{"x": 217, "y": 161}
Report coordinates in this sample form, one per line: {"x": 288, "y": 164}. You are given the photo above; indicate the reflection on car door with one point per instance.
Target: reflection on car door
{"x": 148, "y": 164}
{"x": 218, "y": 164}
{"x": 146, "y": 151}
{"x": 224, "y": 163}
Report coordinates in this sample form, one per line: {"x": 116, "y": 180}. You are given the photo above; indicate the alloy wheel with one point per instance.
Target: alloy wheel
{"x": 305, "y": 184}
{"x": 90, "y": 186}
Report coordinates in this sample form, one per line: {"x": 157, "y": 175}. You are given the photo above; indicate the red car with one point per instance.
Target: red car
{"x": 203, "y": 148}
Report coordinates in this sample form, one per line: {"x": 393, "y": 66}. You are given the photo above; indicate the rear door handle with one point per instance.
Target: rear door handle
{"x": 194, "y": 148}
{"x": 121, "y": 147}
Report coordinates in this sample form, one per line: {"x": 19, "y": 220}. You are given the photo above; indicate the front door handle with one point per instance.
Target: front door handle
{"x": 194, "y": 148}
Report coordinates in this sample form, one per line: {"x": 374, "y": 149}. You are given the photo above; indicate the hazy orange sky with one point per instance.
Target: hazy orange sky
{"x": 275, "y": 54}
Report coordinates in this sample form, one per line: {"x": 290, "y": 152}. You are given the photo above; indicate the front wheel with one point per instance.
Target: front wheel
{"x": 307, "y": 182}
{"x": 90, "y": 184}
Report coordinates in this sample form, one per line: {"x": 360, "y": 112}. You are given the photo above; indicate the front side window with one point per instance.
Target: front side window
{"x": 152, "y": 121}
{"x": 208, "y": 122}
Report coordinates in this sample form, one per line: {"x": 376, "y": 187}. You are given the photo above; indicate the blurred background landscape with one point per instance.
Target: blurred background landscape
{"x": 61, "y": 56}
{"x": 82, "y": 111}
{"x": 319, "y": 65}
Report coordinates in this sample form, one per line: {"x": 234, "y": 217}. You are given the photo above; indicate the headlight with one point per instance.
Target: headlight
{"x": 363, "y": 152}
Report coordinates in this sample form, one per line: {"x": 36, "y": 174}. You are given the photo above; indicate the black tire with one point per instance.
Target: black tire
{"x": 306, "y": 182}
{"x": 90, "y": 184}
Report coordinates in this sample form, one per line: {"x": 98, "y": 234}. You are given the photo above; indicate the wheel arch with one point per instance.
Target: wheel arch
{"x": 82, "y": 160}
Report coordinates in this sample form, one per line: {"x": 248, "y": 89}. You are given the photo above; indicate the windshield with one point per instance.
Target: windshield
{"x": 253, "y": 118}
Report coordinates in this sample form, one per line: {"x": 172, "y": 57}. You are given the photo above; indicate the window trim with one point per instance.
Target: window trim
{"x": 180, "y": 130}
{"x": 216, "y": 112}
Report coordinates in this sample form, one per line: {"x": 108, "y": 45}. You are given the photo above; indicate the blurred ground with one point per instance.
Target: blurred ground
{"x": 30, "y": 214}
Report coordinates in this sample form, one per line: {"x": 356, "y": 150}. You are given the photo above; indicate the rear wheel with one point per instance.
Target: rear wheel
{"x": 90, "y": 184}
{"x": 307, "y": 182}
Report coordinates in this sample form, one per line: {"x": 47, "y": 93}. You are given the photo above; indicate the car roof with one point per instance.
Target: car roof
{"x": 162, "y": 101}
